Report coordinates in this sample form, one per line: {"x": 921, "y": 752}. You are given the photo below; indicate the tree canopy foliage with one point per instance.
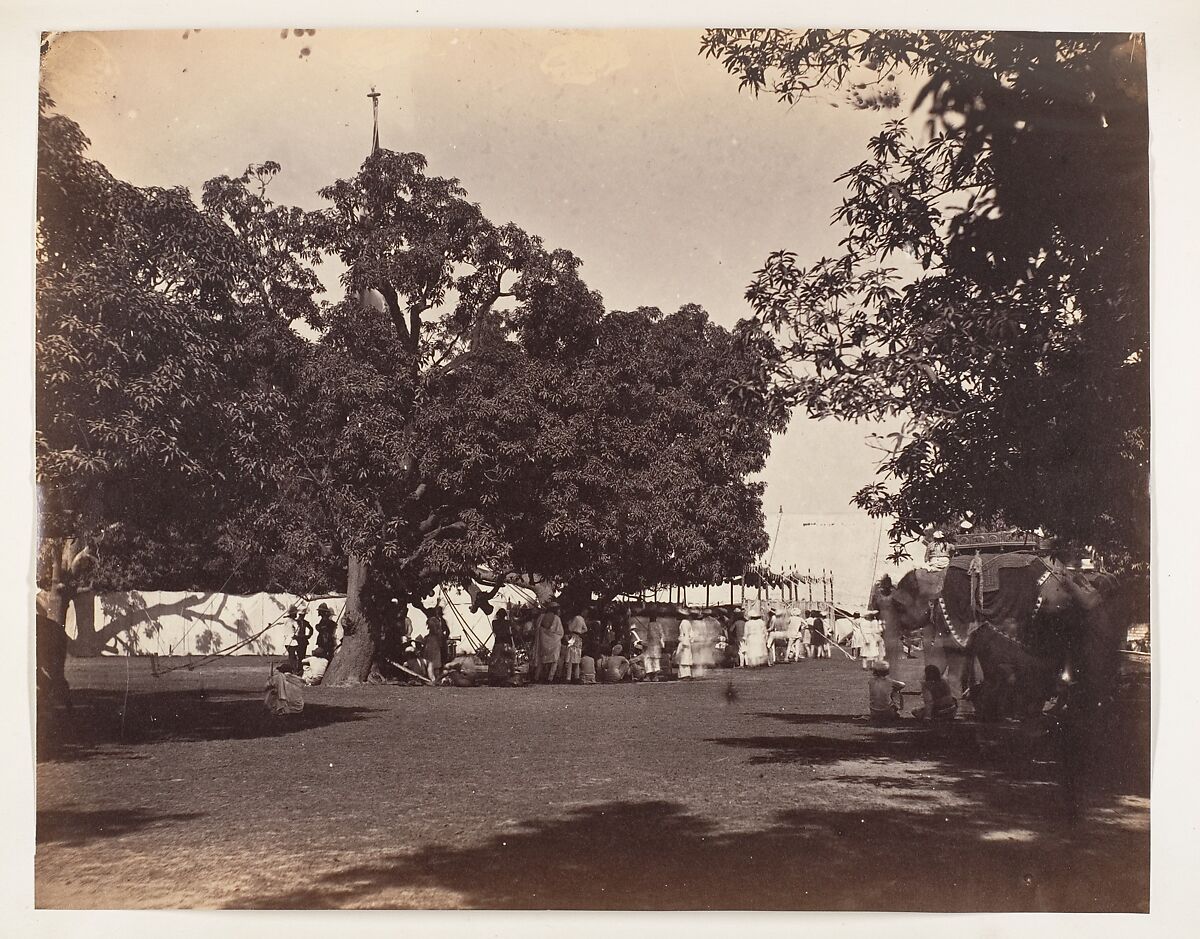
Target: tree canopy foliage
{"x": 992, "y": 286}
{"x": 467, "y": 400}
{"x": 644, "y": 466}
{"x": 159, "y": 355}
{"x": 470, "y": 403}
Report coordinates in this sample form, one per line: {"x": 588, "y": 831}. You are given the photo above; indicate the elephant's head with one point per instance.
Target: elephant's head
{"x": 904, "y": 607}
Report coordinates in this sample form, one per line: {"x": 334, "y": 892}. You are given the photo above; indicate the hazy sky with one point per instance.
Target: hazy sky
{"x": 626, "y": 147}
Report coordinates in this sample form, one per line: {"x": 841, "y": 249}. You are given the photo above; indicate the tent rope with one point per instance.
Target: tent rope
{"x": 205, "y": 615}
{"x": 479, "y": 646}
{"x": 212, "y": 657}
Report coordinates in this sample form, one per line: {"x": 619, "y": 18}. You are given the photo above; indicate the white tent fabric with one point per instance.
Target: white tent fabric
{"x": 166, "y": 622}
{"x": 161, "y": 622}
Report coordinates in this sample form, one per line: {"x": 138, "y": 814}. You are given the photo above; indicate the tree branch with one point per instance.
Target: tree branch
{"x": 454, "y": 364}
{"x": 457, "y": 528}
{"x": 392, "y": 299}
{"x": 414, "y": 326}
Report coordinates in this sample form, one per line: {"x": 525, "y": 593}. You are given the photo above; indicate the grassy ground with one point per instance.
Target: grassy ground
{"x": 752, "y": 789}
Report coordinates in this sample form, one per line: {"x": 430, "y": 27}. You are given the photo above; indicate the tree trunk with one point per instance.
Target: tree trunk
{"x": 58, "y": 599}
{"x": 87, "y": 641}
{"x": 65, "y": 562}
{"x": 352, "y": 661}
{"x": 50, "y": 639}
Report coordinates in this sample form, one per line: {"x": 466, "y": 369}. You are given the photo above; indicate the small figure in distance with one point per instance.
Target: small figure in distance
{"x": 502, "y": 631}
{"x": 435, "y": 625}
{"x": 548, "y": 633}
{"x": 654, "y": 649}
{"x": 684, "y": 649}
{"x": 573, "y": 652}
{"x": 820, "y": 640}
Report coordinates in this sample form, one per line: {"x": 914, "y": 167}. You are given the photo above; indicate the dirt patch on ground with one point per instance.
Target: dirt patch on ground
{"x": 752, "y": 789}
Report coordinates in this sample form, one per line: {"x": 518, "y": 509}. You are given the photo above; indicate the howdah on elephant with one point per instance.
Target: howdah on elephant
{"x": 1013, "y": 629}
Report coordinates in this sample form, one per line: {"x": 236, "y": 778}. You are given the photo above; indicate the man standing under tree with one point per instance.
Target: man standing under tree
{"x": 502, "y": 631}
{"x": 326, "y": 628}
{"x": 435, "y": 625}
{"x": 301, "y": 633}
{"x": 547, "y": 643}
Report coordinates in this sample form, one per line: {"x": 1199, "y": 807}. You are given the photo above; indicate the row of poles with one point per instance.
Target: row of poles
{"x": 791, "y": 586}
{"x": 793, "y": 581}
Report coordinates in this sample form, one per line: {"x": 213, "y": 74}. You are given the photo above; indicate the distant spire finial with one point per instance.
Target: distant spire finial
{"x": 374, "y": 96}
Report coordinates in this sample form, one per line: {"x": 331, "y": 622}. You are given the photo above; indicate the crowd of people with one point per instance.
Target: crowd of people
{"x": 614, "y": 648}
{"x": 550, "y": 644}
{"x": 864, "y": 636}
{"x": 544, "y": 645}
{"x": 657, "y": 643}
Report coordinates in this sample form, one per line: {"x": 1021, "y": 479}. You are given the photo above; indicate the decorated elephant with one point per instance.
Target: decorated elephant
{"x": 1013, "y": 629}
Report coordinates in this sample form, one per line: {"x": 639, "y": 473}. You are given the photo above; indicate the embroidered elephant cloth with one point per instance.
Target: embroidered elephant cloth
{"x": 1009, "y": 606}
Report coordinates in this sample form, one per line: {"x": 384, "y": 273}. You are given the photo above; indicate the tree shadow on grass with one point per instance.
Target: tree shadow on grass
{"x": 102, "y": 719}
{"x": 789, "y": 717}
{"x": 655, "y": 856}
{"x": 1116, "y": 757}
{"x": 959, "y": 742}
{"x": 976, "y": 760}
{"x": 74, "y": 827}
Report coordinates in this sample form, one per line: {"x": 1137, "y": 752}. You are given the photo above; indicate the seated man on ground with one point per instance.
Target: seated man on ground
{"x": 413, "y": 659}
{"x": 939, "y": 701}
{"x": 314, "y": 669}
{"x": 883, "y": 693}
{"x": 615, "y": 667}
{"x": 285, "y": 691}
{"x": 637, "y": 662}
